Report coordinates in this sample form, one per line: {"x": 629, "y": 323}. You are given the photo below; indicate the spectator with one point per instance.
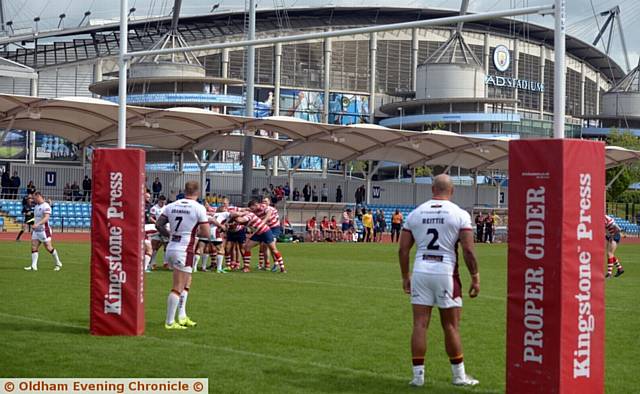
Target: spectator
{"x": 31, "y": 188}
{"x": 324, "y": 193}
{"x": 312, "y": 229}
{"x": 367, "y": 222}
{"x": 314, "y": 194}
{"x": 15, "y": 184}
{"x": 287, "y": 191}
{"x": 66, "y": 192}
{"x": 306, "y": 192}
{"x": 210, "y": 199}
{"x": 360, "y": 195}
{"x": 75, "y": 191}
{"x": 180, "y": 195}
{"x": 5, "y": 182}
{"x": 488, "y": 228}
{"x": 479, "y": 220}
{"x": 325, "y": 227}
{"x": 396, "y": 225}
{"x": 380, "y": 225}
{"x": 86, "y": 189}
{"x": 296, "y": 194}
{"x": 346, "y": 224}
{"x": 286, "y": 224}
{"x": 338, "y": 194}
{"x": 156, "y": 186}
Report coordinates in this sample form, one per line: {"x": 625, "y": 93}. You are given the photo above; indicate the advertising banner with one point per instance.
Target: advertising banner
{"x": 555, "y": 310}
{"x": 117, "y": 223}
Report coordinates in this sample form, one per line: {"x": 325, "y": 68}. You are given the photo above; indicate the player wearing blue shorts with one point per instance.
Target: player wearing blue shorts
{"x": 613, "y": 239}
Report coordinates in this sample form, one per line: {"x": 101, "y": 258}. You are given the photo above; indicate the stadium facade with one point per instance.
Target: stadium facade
{"x": 494, "y": 77}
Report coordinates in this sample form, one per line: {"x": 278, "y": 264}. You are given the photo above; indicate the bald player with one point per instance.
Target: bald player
{"x": 436, "y": 227}
{"x": 187, "y": 220}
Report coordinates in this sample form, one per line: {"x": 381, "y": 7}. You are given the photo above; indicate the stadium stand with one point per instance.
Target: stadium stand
{"x": 66, "y": 215}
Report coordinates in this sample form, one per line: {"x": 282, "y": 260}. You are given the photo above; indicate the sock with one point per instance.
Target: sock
{"x": 457, "y": 366}
{"x": 196, "y": 260}
{"x": 227, "y": 260}
{"x": 172, "y": 306}
{"x": 617, "y": 264}
{"x": 219, "y": 259}
{"x": 54, "y": 253}
{"x": 147, "y": 260}
{"x": 261, "y": 259}
{"x": 418, "y": 366}
{"x": 205, "y": 258}
{"x": 153, "y": 257}
{"x": 610, "y": 265}
{"x": 279, "y": 260}
{"x": 34, "y": 259}
{"x": 246, "y": 258}
{"x": 19, "y": 235}
{"x": 182, "y": 306}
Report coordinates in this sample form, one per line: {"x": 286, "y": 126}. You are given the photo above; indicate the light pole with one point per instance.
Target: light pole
{"x": 401, "y": 111}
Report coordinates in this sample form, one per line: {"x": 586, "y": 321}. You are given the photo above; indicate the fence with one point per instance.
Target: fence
{"x": 51, "y": 180}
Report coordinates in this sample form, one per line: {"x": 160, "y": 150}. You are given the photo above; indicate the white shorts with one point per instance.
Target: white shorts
{"x": 181, "y": 261}
{"x": 443, "y": 291}
{"x": 41, "y": 236}
{"x": 158, "y": 237}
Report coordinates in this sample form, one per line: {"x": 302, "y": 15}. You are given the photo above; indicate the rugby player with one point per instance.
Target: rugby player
{"x": 157, "y": 240}
{"x": 216, "y": 244}
{"x": 613, "y": 239}
{"x": 149, "y": 231}
{"x": 41, "y": 233}
{"x": 186, "y": 219}
{"x": 270, "y": 215}
{"x": 261, "y": 234}
{"x": 27, "y": 211}
{"x": 436, "y": 227}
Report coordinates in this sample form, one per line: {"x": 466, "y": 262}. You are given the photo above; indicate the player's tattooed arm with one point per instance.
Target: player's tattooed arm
{"x": 161, "y": 226}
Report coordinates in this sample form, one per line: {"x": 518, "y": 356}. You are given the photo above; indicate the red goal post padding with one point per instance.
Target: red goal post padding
{"x": 555, "y": 311}
{"x": 117, "y": 236}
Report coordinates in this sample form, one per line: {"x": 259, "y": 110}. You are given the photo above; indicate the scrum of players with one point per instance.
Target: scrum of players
{"x": 234, "y": 233}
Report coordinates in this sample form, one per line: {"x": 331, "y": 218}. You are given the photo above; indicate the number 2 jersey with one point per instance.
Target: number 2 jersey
{"x": 435, "y": 226}
{"x": 184, "y": 216}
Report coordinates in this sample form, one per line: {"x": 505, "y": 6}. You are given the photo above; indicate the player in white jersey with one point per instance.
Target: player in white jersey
{"x": 217, "y": 221}
{"x": 187, "y": 220}
{"x": 41, "y": 233}
{"x": 436, "y": 227}
{"x": 157, "y": 240}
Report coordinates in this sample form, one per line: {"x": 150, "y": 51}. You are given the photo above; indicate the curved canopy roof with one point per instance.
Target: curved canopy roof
{"x": 88, "y": 121}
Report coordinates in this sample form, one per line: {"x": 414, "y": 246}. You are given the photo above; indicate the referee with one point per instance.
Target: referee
{"x": 27, "y": 211}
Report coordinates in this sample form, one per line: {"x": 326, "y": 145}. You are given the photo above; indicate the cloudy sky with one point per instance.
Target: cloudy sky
{"x": 580, "y": 13}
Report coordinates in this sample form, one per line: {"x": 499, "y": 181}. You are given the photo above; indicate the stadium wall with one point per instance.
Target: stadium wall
{"x": 52, "y": 179}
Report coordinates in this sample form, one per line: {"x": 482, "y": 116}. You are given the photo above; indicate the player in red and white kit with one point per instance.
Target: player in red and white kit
{"x": 613, "y": 239}
{"x": 271, "y": 217}
{"x": 261, "y": 234}
{"x": 436, "y": 227}
{"x": 41, "y": 233}
{"x": 187, "y": 220}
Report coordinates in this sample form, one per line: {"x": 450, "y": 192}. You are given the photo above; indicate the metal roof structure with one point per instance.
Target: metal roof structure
{"x": 90, "y": 42}
{"x": 630, "y": 83}
{"x": 89, "y": 121}
{"x": 454, "y": 50}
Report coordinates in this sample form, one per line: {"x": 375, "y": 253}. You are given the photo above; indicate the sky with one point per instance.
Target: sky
{"x": 580, "y": 13}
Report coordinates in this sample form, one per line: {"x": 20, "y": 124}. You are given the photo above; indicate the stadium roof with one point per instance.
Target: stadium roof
{"x": 89, "y": 42}
{"x": 89, "y": 121}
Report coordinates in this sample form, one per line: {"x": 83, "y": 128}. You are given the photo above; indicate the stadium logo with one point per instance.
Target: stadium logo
{"x": 501, "y": 58}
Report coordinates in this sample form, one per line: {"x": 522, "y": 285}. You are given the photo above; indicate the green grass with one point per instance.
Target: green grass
{"x": 337, "y": 322}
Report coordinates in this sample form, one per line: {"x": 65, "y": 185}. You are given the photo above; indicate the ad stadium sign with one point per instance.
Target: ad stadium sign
{"x": 502, "y": 61}
{"x": 514, "y": 83}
